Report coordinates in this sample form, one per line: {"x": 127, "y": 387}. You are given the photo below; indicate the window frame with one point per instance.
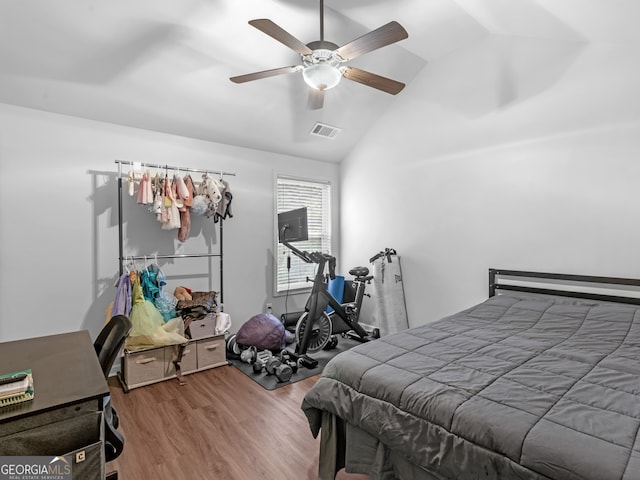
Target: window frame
{"x": 284, "y": 288}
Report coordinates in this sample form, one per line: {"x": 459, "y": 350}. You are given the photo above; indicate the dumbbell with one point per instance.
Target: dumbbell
{"x": 249, "y": 355}
{"x": 258, "y": 366}
{"x": 292, "y": 364}
{"x": 260, "y": 359}
{"x": 332, "y": 343}
{"x": 252, "y": 355}
{"x": 282, "y": 367}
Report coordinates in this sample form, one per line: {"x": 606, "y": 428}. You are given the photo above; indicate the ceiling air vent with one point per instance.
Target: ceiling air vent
{"x": 325, "y": 131}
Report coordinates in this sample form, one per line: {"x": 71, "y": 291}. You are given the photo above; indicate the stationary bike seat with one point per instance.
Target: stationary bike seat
{"x": 359, "y": 271}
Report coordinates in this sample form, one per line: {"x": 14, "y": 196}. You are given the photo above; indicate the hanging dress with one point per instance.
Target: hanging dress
{"x": 185, "y": 212}
{"x": 122, "y": 299}
{"x": 145, "y": 195}
{"x": 145, "y": 317}
{"x": 150, "y": 289}
{"x": 148, "y": 326}
{"x": 164, "y": 301}
{"x": 157, "y": 197}
{"x": 171, "y": 214}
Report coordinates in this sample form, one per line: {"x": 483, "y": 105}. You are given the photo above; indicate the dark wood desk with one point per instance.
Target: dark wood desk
{"x": 65, "y": 371}
{"x": 65, "y": 414}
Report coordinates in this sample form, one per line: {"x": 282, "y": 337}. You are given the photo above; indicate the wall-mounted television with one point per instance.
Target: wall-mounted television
{"x": 292, "y": 225}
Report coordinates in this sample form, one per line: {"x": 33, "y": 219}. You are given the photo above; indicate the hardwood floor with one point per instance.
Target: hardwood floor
{"x": 220, "y": 425}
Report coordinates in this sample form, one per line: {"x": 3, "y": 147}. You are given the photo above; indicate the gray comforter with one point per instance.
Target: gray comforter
{"x": 513, "y": 388}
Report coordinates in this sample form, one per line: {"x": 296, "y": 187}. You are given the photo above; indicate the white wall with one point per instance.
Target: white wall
{"x": 456, "y": 184}
{"x": 58, "y": 220}
{"x": 456, "y": 180}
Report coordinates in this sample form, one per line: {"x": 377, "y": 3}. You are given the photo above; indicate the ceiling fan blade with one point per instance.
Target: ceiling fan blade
{"x": 390, "y": 33}
{"x": 372, "y": 80}
{"x": 265, "y": 74}
{"x": 315, "y": 100}
{"x": 267, "y": 26}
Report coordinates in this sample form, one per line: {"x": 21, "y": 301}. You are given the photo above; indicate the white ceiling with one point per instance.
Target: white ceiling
{"x": 164, "y": 65}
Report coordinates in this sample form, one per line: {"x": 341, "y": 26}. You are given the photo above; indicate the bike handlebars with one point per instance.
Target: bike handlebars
{"x": 322, "y": 258}
{"x": 314, "y": 257}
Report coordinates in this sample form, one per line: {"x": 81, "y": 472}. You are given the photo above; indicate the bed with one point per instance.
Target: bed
{"x": 540, "y": 381}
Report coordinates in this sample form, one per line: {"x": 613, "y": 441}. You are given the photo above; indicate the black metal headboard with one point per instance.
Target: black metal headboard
{"x": 516, "y": 280}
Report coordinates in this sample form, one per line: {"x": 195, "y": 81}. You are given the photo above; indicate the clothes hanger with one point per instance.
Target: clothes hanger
{"x": 135, "y": 269}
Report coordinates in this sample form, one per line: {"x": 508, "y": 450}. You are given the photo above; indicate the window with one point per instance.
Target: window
{"x": 291, "y": 194}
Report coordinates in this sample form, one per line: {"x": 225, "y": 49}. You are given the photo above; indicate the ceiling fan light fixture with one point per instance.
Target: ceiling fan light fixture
{"x": 321, "y": 76}
{"x": 322, "y": 60}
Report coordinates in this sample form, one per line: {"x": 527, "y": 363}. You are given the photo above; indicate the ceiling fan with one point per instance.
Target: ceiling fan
{"x": 322, "y": 61}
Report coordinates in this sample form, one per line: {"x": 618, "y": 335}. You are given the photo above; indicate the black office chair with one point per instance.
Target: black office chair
{"x": 108, "y": 345}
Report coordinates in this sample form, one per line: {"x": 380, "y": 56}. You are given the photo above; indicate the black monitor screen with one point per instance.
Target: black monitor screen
{"x": 292, "y": 225}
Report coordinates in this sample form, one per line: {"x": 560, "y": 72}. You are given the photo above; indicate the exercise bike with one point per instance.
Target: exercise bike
{"x": 315, "y": 329}
{"x": 343, "y": 320}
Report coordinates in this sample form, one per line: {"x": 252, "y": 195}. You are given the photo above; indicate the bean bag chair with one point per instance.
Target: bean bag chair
{"x": 263, "y": 331}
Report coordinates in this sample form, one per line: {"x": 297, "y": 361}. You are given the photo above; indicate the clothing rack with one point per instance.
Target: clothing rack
{"x": 122, "y": 258}
{"x": 168, "y": 167}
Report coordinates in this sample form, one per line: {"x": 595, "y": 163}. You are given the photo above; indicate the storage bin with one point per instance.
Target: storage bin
{"x": 54, "y": 438}
{"x": 88, "y": 462}
{"x": 155, "y": 364}
{"x": 211, "y": 352}
{"x": 143, "y": 367}
{"x": 188, "y": 364}
{"x": 202, "y": 328}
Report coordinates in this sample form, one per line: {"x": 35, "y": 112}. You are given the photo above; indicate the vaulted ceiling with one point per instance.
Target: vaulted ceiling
{"x": 165, "y": 65}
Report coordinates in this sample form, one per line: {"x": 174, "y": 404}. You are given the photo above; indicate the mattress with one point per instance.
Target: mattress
{"x": 512, "y": 388}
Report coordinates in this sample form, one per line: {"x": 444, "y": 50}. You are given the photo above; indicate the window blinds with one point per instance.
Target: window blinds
{"x": 292, "y": 194}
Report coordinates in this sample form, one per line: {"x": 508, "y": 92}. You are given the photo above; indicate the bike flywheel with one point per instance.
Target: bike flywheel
{"x": 320, "y": 331}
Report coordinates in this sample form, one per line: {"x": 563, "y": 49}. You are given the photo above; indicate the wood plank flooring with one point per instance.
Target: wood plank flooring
{"x": 221, "y": 425}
